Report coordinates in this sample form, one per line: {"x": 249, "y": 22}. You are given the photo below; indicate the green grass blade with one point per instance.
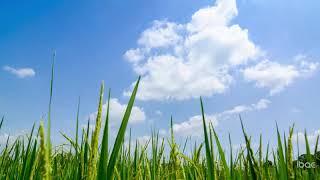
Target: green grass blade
{"x": 251, "y": 160}
{"x": 77, "y": 126}
{"x": 290, "y": 155}
{"x": 1, "y": 123}
{"x": 32, "y": 162}
{"x": 309, "y": 156}
{"x": 282, "y": 162}
{"x": 231, "y": 159}
{"x": 316, "y": 145}
{"x": 209, "y": 159}
{"x": 222, "y": 155}
{"x": 50, "y": 104}
{"x": 27, "y": 153}
{"x": 103, "y": 163}
{"x": 121, "y": 133}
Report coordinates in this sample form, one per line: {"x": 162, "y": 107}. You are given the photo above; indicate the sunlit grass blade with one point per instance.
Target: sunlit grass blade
{"x": 316, "y": 145}
{"x": 2, "y": 119}
{"x": 25, "y": 158}
{"x": 222, "y": 155}
{"x": 72, "y": 143}
{"x": 252, "y": 164}
{"x": 309, "y": 156}
{"x": 282, "y": 162}
{"x": 290, "y": 155}
{"x": 103, "y": 162}
{"x": 50, "y": 104}
{"x": 121, "y": 133}
{"x": 266, "y": 163}
{"x": 77, "y": 126}
{"x": 32, "y": 162}
{"x": 209, "y": 159}
{"x": 231, "y": 159}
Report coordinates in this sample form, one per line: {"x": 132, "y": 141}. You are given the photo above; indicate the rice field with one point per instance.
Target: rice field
{"x": 88, "y": 157}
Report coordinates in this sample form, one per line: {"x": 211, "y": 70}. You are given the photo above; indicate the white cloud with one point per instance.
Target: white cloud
{"x": 20, "y": 72}
{"x": 134, "y": 55}
{"x": 117, "y": 111}
{"x": 214, "y": 16}
{"x": 193, "y": 126}
{"x": 312, "y": 137}
{"x": 4, "y": 137}
{"x": 262, "y": 104}
{"x": 299, "y": 137}
{"x": 161, "y": 34}
{"x": 183, "y": 61}
{"x": 308, "y": 68}
{"x": 275, "y": 76}
{"x": 238, "y": 109}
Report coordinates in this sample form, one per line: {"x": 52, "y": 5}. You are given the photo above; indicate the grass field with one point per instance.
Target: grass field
{"x": 87, "y": 157}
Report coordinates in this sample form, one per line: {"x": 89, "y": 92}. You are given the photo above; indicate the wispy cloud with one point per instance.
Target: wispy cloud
{"x": 20, "y": 72}
{"x": 261, "y": 104}
{"x": 193, "y": 126}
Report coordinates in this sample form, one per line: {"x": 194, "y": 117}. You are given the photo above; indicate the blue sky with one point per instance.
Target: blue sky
{"x": 256, "y": 58}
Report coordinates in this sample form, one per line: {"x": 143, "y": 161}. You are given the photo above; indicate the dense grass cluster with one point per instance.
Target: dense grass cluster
{"x": 87, "y": 157}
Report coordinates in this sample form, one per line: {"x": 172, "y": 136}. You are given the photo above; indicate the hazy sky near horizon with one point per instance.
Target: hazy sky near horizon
{"x": 256, "y": 58}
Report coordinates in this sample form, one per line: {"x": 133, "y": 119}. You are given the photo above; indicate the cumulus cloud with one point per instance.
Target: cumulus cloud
{"x": 276, "y": 76}
{"x": 20, "y": 72}
{"x": 117, "y": 111}
{"x": 183, "y": 61}
{"x": 134, "y": 55}
{"x": 160, "y": 35}
{"x": 193, "y": 126}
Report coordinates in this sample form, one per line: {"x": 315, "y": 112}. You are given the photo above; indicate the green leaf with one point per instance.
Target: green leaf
{"x": 121, "y": 133}
{"x": 103, "y": 163}
{"x": 209, "y": 159}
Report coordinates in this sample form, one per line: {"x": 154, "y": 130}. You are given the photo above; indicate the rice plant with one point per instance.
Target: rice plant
{"x": 87, "y": 157}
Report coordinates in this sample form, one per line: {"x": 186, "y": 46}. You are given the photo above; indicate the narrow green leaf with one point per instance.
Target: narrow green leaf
{"x": 103, "y": 162}
{"x": 121, "y": 133}
{"x": 207, "y": 145}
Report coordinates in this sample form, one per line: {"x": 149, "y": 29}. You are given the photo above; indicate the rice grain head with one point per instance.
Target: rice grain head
{"x": 92, "y": 167}
{"x": 44, "y": 155}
